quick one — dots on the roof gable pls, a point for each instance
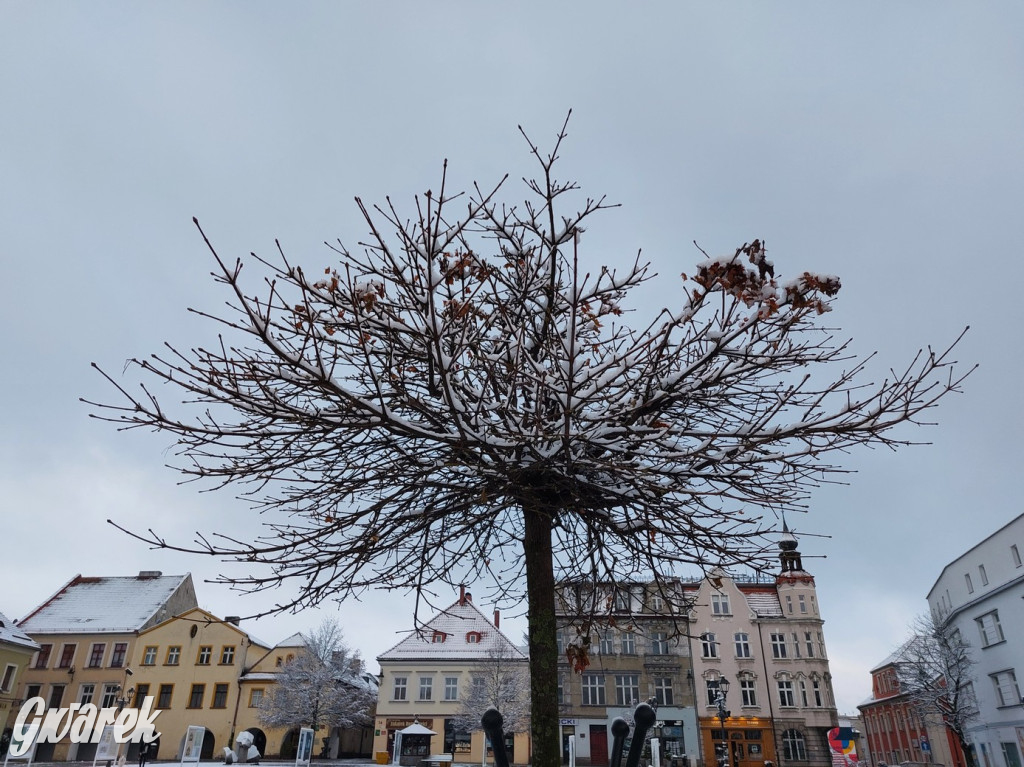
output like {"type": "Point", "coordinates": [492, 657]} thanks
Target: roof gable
{"type": "Point", "coordinates": [13, 635]}
{"type": "Point", "coordinates": [460, 632]}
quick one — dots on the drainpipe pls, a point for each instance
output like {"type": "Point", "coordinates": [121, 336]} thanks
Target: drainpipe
{"type": "Point", "coordinates": [771, 707]}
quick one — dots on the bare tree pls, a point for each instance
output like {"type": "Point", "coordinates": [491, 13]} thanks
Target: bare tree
{"type": "Point", "coordinates": [935, 670]}
{"type": "Point", "coordinates": [502, 682]}
{"type": "Point", "coordinates": [459, 400]}
{"type": "Point", "coordinates": [321, 687]}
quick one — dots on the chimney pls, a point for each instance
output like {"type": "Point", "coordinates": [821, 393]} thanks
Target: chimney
{"type": "Point", "coordinates": [469, 597]}
{"type": "Point", "coordinates": [234, 620]}
{"type": "Point", "coordinates": [497, 618]}
{"type": "Point", "coordinates": [462, 594]}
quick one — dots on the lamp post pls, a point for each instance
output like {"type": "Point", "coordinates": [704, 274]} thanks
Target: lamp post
{"type": "Point", "coordinates": [723, 690]}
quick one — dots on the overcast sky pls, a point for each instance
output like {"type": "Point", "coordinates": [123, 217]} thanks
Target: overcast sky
{"type": "Point", "coordinates": [878, 141]}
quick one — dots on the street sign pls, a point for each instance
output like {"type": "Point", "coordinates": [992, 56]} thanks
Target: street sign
{"type": "Point", "coordinates": [925, 745]}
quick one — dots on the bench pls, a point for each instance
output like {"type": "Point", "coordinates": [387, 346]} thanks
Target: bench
{"type": "Point", "coordinates": [437, 759]}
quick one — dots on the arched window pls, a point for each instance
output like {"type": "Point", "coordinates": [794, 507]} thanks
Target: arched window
{"type": "Point", "coordinates": [793, 746]}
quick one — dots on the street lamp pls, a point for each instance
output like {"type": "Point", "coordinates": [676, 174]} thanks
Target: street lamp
{"type": "Point", "coordinates": [723, 690]}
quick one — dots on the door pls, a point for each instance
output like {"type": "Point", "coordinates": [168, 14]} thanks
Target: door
{"type": "Point", "coordinates": [598, 745]}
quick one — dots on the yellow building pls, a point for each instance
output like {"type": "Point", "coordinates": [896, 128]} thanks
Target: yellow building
{"type": "Point", "coordinates": [426, 677]}
{"type": "Point", "coordinates": [257, 685]}
{"type": "Point", "coordinates": [16, 650]}
{"type": "Point", "coordinates": [191, 665]}
{"type": "Point", "coordinates": [86, 633]}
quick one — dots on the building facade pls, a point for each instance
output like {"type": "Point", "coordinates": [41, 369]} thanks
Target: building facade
{"type": "Point", "coordinates": [674, 643]}
{"type": "Point", "coordinates": [979, 595]}
{"type": "Point", "coordinates": [16, 651]}
{"type": "Point", "coordinates": [191, 664]}
{"type": "Point", "coordinates": [427, 677]}
{"type": "Point", "coordinates": [766, 638]}
{"type": "Point", "coordinates": [87, 634]}
{"type": "Point", "coordinates": [619, 646]}
{"type": "Point", "coordinates": [893, 729]}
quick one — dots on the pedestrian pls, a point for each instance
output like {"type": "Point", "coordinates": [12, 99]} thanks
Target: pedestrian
{"type": "Point", "coordinates": [143, 754]}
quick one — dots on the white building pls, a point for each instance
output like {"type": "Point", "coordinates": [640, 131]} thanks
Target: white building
{"type": "Point", "coordinates": [980, 594]}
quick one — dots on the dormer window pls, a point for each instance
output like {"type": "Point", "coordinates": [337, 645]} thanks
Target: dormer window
{"type": "Point", "coordinates": [474, 637]}
{"type": "Point", "coordinates": [439, 636]}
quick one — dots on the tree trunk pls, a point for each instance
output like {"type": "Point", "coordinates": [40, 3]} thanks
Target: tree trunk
{"type": "Point", "coordinates": [540, 600]}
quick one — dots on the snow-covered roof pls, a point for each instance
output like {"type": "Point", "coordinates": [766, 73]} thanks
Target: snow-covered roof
{"type": "Point", "coordinates": [763, 603]}
{"type": "Point", "coordinates": [460, 632]}
{"type": "Point", "coordinates": [295, 640]}
{"type": "Point", "coordinates": [896, 655]}
{"type": "Point", "coordinates": [108, 604]}
{"type": "Point", "coordinates": [11, 634]}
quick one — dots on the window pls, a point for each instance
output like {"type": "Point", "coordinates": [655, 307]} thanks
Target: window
{"type": "Point", "coordinates": [426, 688]}
{"type": "Point", "coordinates": [794, 748]}
{"type": "Point", "coordinates": [593, 690]}
{"type": "Point", "coordinates": [220, 696]}
{"type": "Point", "coordinates": [659, 643]}
{"type": "Point", "coordinates": [195, 698]}
{"type": "Point", "coordinates": [663, 691]}
{"type": "Point", "coordinates": [85, 693]}
{"type": "Point", "coordinates": [809, 643]}
{"type": "Point", "coordinates": [8, 679]}
{"type": "Point", "coordinates": [451, 688]}
{"type": "Point", "coordinates": [438, 637]}
{"type": "Point", "coordinates": [628, 643]}
{"type": "Point", "coordinates": [205, 653]}
{"type": "Point", "coordinates": [786, 693]}
{"type": "Point", "coordinates": [778, 645]}
{"type": "Point", "coordinates": [720, 604]}
{"type": "Point", "coordinates": [560, 641]}
{"type": "Point", "coordinates": [149, 656]}
{"type": "Point", "coordinates": [173, 655]}
{"type": "Point", "coordinates": [622, 601]}
{"type": "Point", "coordinates": [67, 654]}
{"type": "Point", "coordinates": [117, 656]}
{"type": "Point", "coordinates": [789, 604]}
{"type": "Point", "coordinates": [1015, 553]}
{"type": "Point", "coordinates": [748, 697]}
{"type": "Point", "coordinates": [227, 655]}
{"type": "Point", "coordinates": [821, 645]}
{"type": "Point", "coordinates": [796, 645]}
{"type": "Point", "coordinates": [255, 697]}
{"type": "Point", "coordinates": [1006, 688]}
{"type": "Point", "coordinates": [56, 695]}
{"type": "Point", "coordinates": [708, 646]}
{"type": "Point", "coordinates": [110, 692]}
{"type": "Point", "coordinates": [803, 693]}
{"type": "Point", "coordinates": [96, 655]}
{"type": "Point", "coordinates": [970, 583]}
{"type": "Point", "coordinates": [560, 693]}
{"type": "Point", "coordinates": [803, 603]}
{"type": "Point", "coordinates": [742, 640]}
{"type": "Point", "coordinates": [141, 693]}
{"type": "Point", "coordinates": [816, 690]}
{"type": "Point", "coordinates": [606, 646]}
{"type": "Point", "coordinates": [991, 631]}
{"type": "Point", "coordinates": [32, 691]}
{"type": "Point", "coordinates": [400, 692]}
{"type": "Point", "coordinates": [43, 658]}
{"type": "Point", "coordinates": [983, 575]}
{"type": "Point", "coordinates": [657, 603]}
{"type": "Point", "coordinates": [627, 689]}
{"type": "Point", "coordinates": [473, 637]}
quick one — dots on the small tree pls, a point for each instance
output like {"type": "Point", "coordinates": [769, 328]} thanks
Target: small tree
{"type": "Point", "coordinates": [935, 670]}
{"type": "Point", "coordinates": [460, 400]}
{"type": "Point", "coordinates": [321, 687]}
{"type": "Point", "coordinates": [501, 682]}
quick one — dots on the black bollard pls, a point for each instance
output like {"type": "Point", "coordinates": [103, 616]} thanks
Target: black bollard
{"type": "Point", "coordinates": [644, 718]}
{"type": "Point", "coordinates": [619, 732]}
{"type": "Point", "coordinates": [492, 722]}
